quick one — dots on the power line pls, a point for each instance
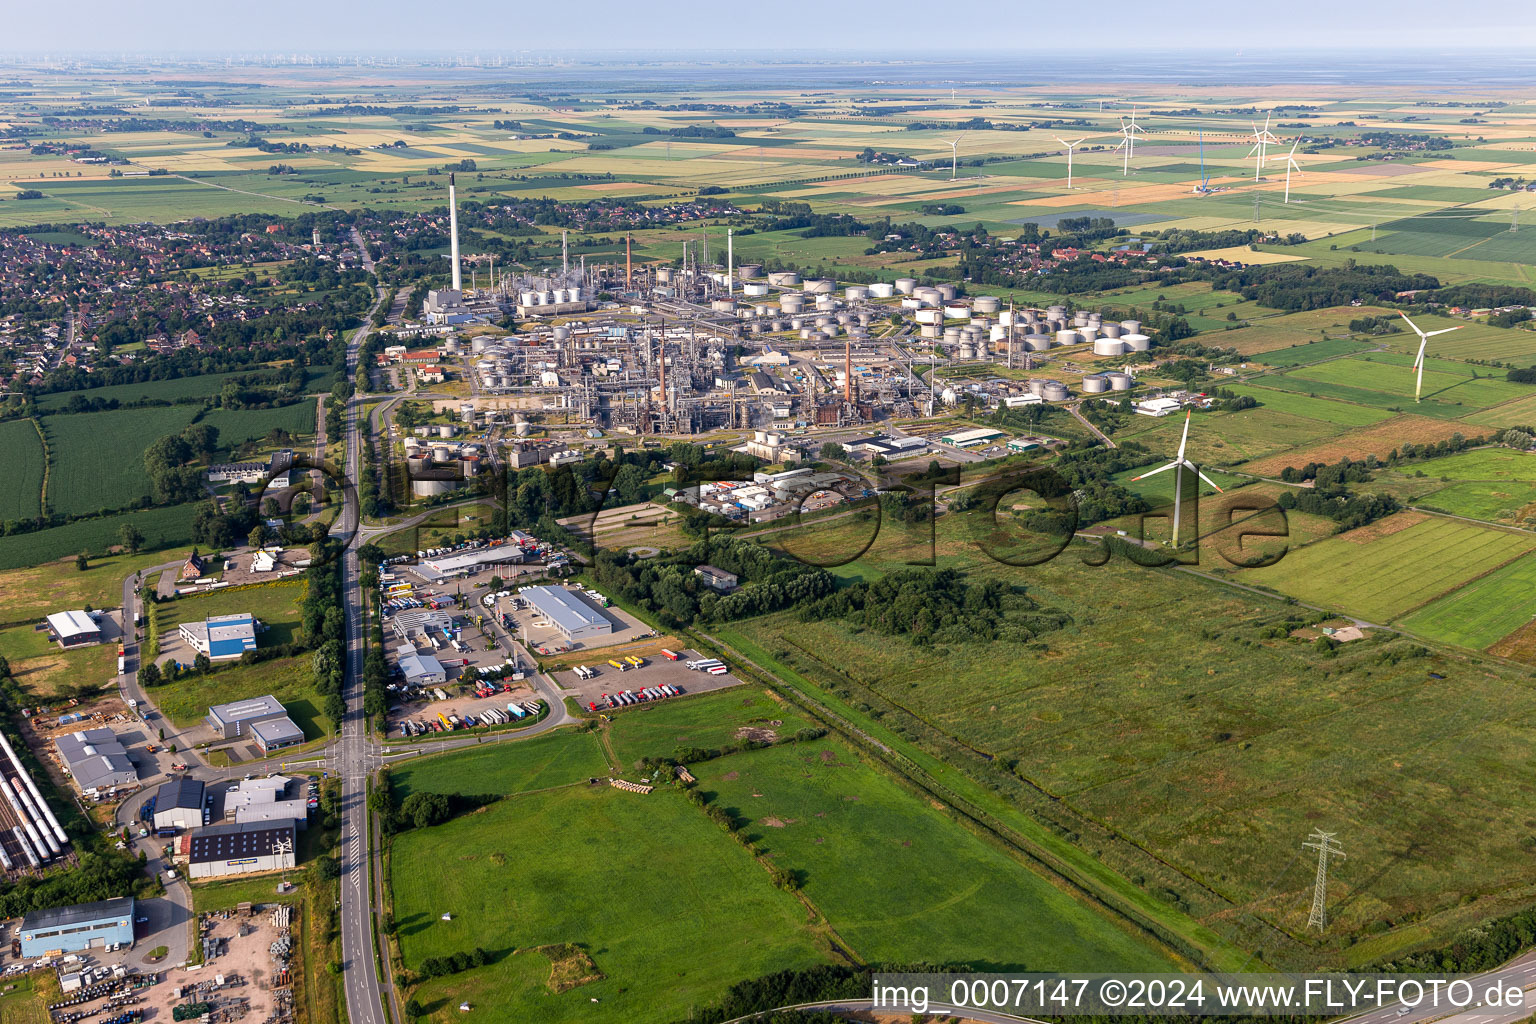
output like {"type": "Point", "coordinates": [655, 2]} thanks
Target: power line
{"type": "Point", "coordinates": [1325, 845]}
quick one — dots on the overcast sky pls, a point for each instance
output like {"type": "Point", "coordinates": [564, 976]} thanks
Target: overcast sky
{"type": "Point", "coordinates": [1063, 28]}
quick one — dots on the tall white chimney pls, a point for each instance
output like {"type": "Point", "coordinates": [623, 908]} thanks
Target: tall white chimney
{"type": "Point", "coordinates": [453, 233]}
{"type": "Point", "coordinates": [730, 269]}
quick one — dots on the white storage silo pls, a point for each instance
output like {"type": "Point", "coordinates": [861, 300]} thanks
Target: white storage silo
{"type": "Point", "coordinates": [1067, 338]}
{"type": "Point", "coordinates": [1093, 384]}
{"type": "Point", "coordinates": [906, 285]}
{"type": "Point", "coordinates": [1136, 342]}
{"type": "Point", "coordinates": [1108, 347]}
{"type": "Point", "coordinates": [882, 289]}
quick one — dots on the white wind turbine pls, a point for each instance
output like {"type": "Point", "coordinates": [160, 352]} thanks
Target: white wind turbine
{"type": "Point", "coordinates": [1418, 360]}
{"type": "Point", "coordinates": [1178, 465]}
{"type": "Point", "coordinates": [1070, 146]}
{"type": "Point", "coordinates": [954, 158]}
{"type": "Point", "coordinates": [1291, 165]}
{"type": "Point", "coordinates": [1132, 129]}
{"type": "Point", "coordinates": [1125, 144]}
{"type": "Point", "coordinates": [1262, 137]}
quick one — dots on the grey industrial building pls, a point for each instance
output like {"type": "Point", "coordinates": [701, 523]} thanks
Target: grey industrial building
{"type": "Point", "coordinates": [276, 733]}
{"type": "Point", "coordinates": [239, 849]}
{"type": "Point", "coordinates": [267, 800]}
{"type": "Point", "coordinates": [570, 613]}
{"type": "Point", "coordinates": [236, 719]}
{"type": "Point", "coordinates": [422, 669]}
{"type": "Point", "coordinates": [82, 926]}
{"type": "Point", "coordinates": [96, 760]}
{"type": "Point", "coordinates": [179, 803]}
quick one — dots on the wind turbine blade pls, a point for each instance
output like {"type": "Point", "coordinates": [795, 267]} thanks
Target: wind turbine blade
{"type": "Point", "coordinates": [1418, 360]}
{"type": "Point", "coordinates": [1411, 323]}
{"type": "Point", "coordinates": [1154, 472]}
{"type": "Point", "coordinates": [1185, 439]}
{"type": "Point", "coordinates": [1208, 480]}
{"type": "Point", "coordinates": [1447, 330]}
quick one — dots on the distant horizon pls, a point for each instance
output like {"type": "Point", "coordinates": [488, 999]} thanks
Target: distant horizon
{"type": "Point", "coordinates": [1032, 32]}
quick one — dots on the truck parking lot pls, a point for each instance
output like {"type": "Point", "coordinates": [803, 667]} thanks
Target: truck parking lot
{"type": "Point", "coordinates": [657, 671]}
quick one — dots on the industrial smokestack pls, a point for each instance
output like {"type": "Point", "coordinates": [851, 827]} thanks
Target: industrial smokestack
{"type": "Point", "coordinates": [629, 266]}
{"type": "Point", "coordinates": [661, 367]}
{"type": "Point", "coordinates": [848, 370]}
{"type": "Point", "coordinates": [453, 234]}
{"type": "Point", "coordinates": [730, 266]}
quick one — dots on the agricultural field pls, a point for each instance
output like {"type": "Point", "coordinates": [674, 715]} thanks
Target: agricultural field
{"type": "Point", "coordinates": [167, 526]}
{"type": "Point", "coordinates": [170, 390]}
{"type": "Point", "coordinates": [1341, 414]}
{"type": "Point", "coordinates": [1484, 611]}
{"type": "Point", "coordinates": [21, 466]}
{"type": "Point", "coordinates": [1378, 439]}
{"type": "Point", "coordinates": [1387, 380]}
{"type": "Point", "coordinates": [237, 426]}
{"type": "Point", "coordinates": [1313, 352]}
{"type": "Point", "coordinates": [98, 457]}
{"type": "Point", "coordinates": [1383, 571]}
{"type": "Point", "coordinates": [824, 813]}
{"type": "Point", "coordinates": [572, 850]}
{"type": "Point", "coordinates": [1227, 438]}
{"type": "Point", "coordinates": [1149, 728]}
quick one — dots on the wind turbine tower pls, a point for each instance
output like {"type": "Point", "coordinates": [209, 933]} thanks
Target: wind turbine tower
{"type": "Point", "coordinates": [1418, 360]}
{"type": "Point", "coordinates": [1070, 146]}
{"type": "Point", "coordinates": [1179, 465]}
{"type": "Point", "coordinates": [1291, 165]}
{"type": "Point", "coordinates": [1262, 137]}
{"type": "Point", "coordinates": [954, 159]}
{"type": "Point", "coordinates": [1326, 846]}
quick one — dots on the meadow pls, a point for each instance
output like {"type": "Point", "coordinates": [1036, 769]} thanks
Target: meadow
{"type": "Point", "coordinates": [237, 426]}
{"type": "Point", "coordinates": [275, 605]}
{"type": "Point", "coordinates": [1484, 611]}
{"type": "Point", "coordinates": [1147, 737]}
{"type": "Point", "coordinates": [566, 866]}
{"type": "Point", "coordinates": [539, 762]}
{"type": "Point", "coordinates": [1227, 438]}
{"type": "Point", "coordinates": [708, 721]}
{"type": "Point", "coordinates": [168, 526]}
{"type": "Point", "coordinates": [1342, 414]}
{"type": "Point", "coordinates": [291, 680]}
{"type": "Point", "coordinates": [21, 466]}
{"type": "Point", "coordinates": [1383, 571]}
{"type": "Point", "coordinates": [170, 390]}
{"type": "Point", "coordinates": [1449, 388]}
{"type": "Point", "coordinates": [819, 810]}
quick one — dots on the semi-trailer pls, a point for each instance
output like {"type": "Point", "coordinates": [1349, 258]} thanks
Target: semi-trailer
{"type": "Point", "coordinates": [670, 655]}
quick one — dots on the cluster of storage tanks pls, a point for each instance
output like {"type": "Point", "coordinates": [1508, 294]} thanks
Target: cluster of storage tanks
{"type": "Point", "coordinates": [430, 456]}
{"type": "Point", "coordinates": [1114, 380]}
{"type": "Point", "coordinates": [550, 296]}
{"type": "Point", "coordinates": [37, 837]}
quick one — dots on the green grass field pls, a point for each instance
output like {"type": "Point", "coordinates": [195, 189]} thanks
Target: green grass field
{"type": "Point", "coordinates": [709, 721]}
{"type": "Point", "coordinates": [275, 605]}
{"type": "Point", "coordinates": [899, 880]}
{"type": "Point", "coordinates": [239, 425]}
{"type": "Point", "coordinates": [167, 527]}
{"type": "Point", "coordinates": [1484, 611]}
{"type": "Point", "coordinates": [1390, 375]}
{"type": "Point", "coordinates": [1228, 438]}
{"type": "Point", "coordinates": [291, 680]}
{"type": "Point", "coordinates": [1313, 352]}
{"type": "Point", "coordinates": [155, 390]}
{"type": "Point", "coordinates": [1483, 464]}
{"type": "Point", "coordinates": [671, 909]}
{"type": "Point", "coordinates": [21, 466]}
{"type": "Point", "coordinates": [1492, 501]}
{"type": "Point", "coordinates": [99, 456]}
{"type": "Point", "coordinates": [1391, 573]}
{"type": "Point", "coordinates": [1342, 414]}
{"type": "Point", "coordinates": [539, 762]}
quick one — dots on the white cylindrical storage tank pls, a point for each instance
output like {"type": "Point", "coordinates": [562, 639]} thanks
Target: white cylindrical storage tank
{"type": "Point", "coordinates": [1108, 347]}
{"type": "Point", "coordinates": [1120, 381]}
{"type": "Point", "coordinates": [826, 302]}
{"type": "Point", "coordinates": [527, 299]}
{"type": "Point", "coordinates": [791, 303]}
{"type": "Point", "coordinates": [821, 286]}
{"type": "Point", "coordinates": [948, 291]}
{"type": "Point", "coordinates": [865, 319]}
{"type": "Point", "coordinates": [663, 275]}
{"type": "Point", "coordinates": [1056, 312]}
{"type": "Point", "coordinates": [445, 430]}
{"type": "Point", "coordinates": [1055, 391]}
{"type": "Point", "coordinates": [987, 303]}
{"type": "Point", "coordinates": [1088, 333]}
{"type": "Point", "coordinates": [997, 333]}
{"type": "Point", "coordinates": [1110, 330]}
{"type": "Point", "coordinates": [561, 333]}
{"type": "Point", "coordinates": [845, 318]}
{"type": "Point", "coordinates": [796, 322]}
{"type": "Point", "coordinates": [1136, 342]}
{"type": "Point", "coordinates": [431, 488]}
{"type": "Point", "coordinates": [783, 278]}
{"type": "Point", "coordinates": [749, 271]}
{"type": "Point", "coordinates": [929, 316]}
{"type": "Point", "coordinates": [856, 293]}
{"type": "Point", "coordinates": [723, 305]}
{"type": "Point", "coordinates": [905, 285]}
{"type": "Point", "coordinates": [929, 332]}
{"type": "Point", "coordinates": [882, 289]}
{"type": "Point", "coordinates": [911, 302]}
{"type": "Point", "coordinates": [1130, 326]}
{"type": "Point", "coordinates": [952, 335]}
{"type": "Point", "coordinates": [441, 453]}
{"type": "Point", "coordinates": [1080, 318]}
{"type": "Point", "coordinates": [1036, 387]}
{"type": "Point", "coordinates": [754, 289]}
{"type": "Point", "coordinates": [1067, 337]}
{"type": "Point", "coordinates": [957, 311]}
{"type": "Point", "coordinates": [1037, 342]}
{"type": "Point", "coordinates": [1093, 384]}
{"type": "Point", "coordinates": [1006, 318]}
{"type": "Point", "coordinates": [830, 330]}
{"type": "Point", "coordinates": [932, 296]}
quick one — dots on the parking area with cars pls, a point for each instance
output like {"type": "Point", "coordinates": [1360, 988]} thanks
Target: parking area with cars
{"type": "Point", "coordinates": [601, 678]}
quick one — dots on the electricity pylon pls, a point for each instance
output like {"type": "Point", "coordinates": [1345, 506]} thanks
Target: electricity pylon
{"type": "Point", "coordinates": [1324, 844]}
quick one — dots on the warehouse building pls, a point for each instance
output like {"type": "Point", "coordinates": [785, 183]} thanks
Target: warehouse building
{"type": "Point", "coordinates": [971, 438]}
{"type": "Point", "coordinates": [179, 804]}
{"type": "Point", "coordinates": [276, 733]}
{"type": "Point", "coordinates": [568, 611]}
{"type": "Point", "coordinates": [267, 800]}
{"type": "Point", "coordinates": [716, 578]}
{"type": "Point", "coordinates": [74, 629]}
{"type": "Point", "coordinates": [239, 849]}
{"type": "Point", "coordinates": [101, 925]}
{"type": "Point", "coordinates": [235, 719]}
{"type": "Point", "coordinates": [221, 637]}
{"type": "Point", "coordinates": [96, 760]}
{"type": "Point", "coordinates": [422, 670]}
{"type": "Point", "coordinates": [416, 622]}
{"type": "Point", "coordinates": [472, 561]}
